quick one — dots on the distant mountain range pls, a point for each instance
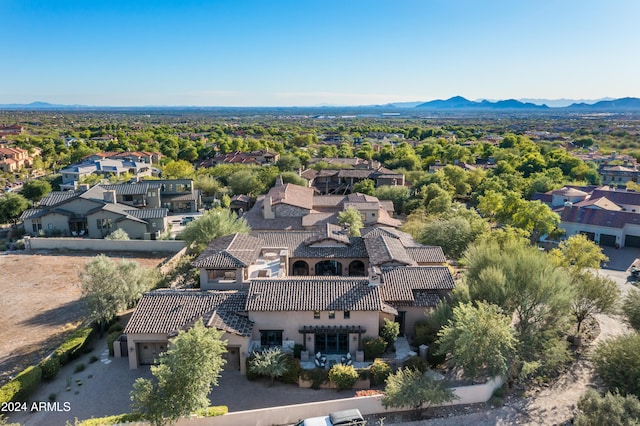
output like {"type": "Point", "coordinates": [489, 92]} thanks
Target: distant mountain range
{"type": "Point", "coordinates": [456, 103]}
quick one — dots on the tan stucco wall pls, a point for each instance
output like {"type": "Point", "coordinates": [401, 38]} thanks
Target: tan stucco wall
{"type": "Point", "coordinates": [232, 340]}
{"type": "Point", "coordinates": [54, 221]}
{"type": "Point", "coordinates": [291, 322]}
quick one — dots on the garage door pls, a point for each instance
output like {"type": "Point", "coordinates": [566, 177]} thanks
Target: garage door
{"type": "Point", "coordinates": [632, 241]}
{"type": "Point", "coordinates": [591, 236]}
{"type": "Point", "coordinates": [148, 352]}
{"type": "Point", "coordinates": [607, 240]}
{"type": "Point", "coordinates": [233, 358]}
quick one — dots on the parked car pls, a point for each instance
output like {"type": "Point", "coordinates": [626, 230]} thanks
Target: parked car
{"type": "Point", "coordinates": [186, 220]}
{"type": "Point", "coordinates": [351, 417]}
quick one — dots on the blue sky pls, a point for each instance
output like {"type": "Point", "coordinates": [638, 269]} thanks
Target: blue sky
{"type": "Point", "coordinates": [311, 52]}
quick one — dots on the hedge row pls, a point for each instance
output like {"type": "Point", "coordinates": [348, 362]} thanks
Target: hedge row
{"type": "Point", "coordinates": [111, 420]}
{"type": "Point", "coordinates": [71, 348]}
{"type": "Point", "coordinates": [19, 388]}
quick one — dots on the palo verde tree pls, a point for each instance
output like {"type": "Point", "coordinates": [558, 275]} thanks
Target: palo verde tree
{"type": "Point", "coordinates": [593, 294]}
{"type": "Point", "coordinates": [183, 377]}
{"type": "Point", "coordinates": [578, 252]}
{"type": "Point", "coordinates": [271, 363]}
{"type": "Point", "coordinates": [109, 287]}
{"type": "Point", "coordinates": [415, 389]}
{"type": "Point", "coordinates": [351, 217]}
{"type": "Point", "coordinates": [479, 339]}
{"type": "Point", "coordinates": [213, 224]}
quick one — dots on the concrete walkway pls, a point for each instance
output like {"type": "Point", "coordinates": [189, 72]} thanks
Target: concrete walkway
{"type": "Point", "coordinates": [103, 387]}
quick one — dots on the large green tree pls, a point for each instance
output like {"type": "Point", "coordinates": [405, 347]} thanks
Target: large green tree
{"type": "Point", "coordinates": [479, 339]}
{"type": "Point", "coordinates": [183, 377]}
{"type": "Point", "coordinates": [109, 287]}
{"type": "Point", "coordinates": [415, 389]}
{"type": "Point", "coordinates": [213, 224]}
{"type": "Point", "coordinates": [179, 169]}
{"type": "Point", "coordinates": [35, 189]}
{"type": "Point", "coordinates": [579, 252]}
{"type": "Point", "coordinates": [353, 219]}
{"type": "Point", "coordinates": [11, 207]}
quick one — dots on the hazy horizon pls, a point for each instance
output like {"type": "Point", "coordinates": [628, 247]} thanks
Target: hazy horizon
{"type": "Point", "coordinates": [309, 54]}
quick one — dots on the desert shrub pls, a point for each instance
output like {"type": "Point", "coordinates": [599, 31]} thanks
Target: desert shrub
{"type": "Point", "coordinates": [50, 368]}
{"type": "Point", "coordinates": [213, 411]}
{"type": "Point", "coordinates": [417, 363]}
{"type": "Point", "coordinates": [112, 337]}
{"type": "Point", "coordinates": [111, 420]}
{"type": "Point", "coordinates": [293, 371]}
{"type": "Point", "coordinates": [631, 308]}
{"type": "Point", "coordinates": [118, 234]}
{"type": "Point", "coordinates": [297, 349]}
{"type": "Point", "coordinates": [71, 348]}
{"type": "Point", "coordinates": [316, 376]}
{"type": "Point", "coordinates": [617, 362]}
{"type": "Point", "coordinates": [373, 347]}
{"type": "Point", "coordinates": [379, 371]}
{"type": "Point", "coordinates": [611, 409]}
{"type": "Point", "coordinates": [19, 388]}
{"type": "Point", "coordinates": [251, 374]}
{"type": "Point", "coordinates": [390, 331]}
{"type": "Point", "coordinates": [93, 359]}
{"type": "Point", "coordinates": [52, 397]}
{"type": "Point", "coordinates": [343, 376]}
{"type": "Point", "coordinates": [114, 327]}
{"type": "Point", "coordinates": [79, 367]}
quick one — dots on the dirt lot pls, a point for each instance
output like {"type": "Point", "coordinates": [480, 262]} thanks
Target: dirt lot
{"type": "Point", "coordinates": [40, 302]}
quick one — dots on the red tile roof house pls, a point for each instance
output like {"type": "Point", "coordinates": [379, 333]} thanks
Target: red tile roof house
{"type": "Point", "coordinates": [329, 309]}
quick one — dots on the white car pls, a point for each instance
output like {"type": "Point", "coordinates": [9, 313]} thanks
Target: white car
{"type": "Point", "coordinates": [351, 417]}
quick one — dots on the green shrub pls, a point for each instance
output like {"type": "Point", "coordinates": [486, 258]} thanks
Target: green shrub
{"type": "Point", "coordinates": [71, 348]}
{"type": "Point", "coordinates": [297, 349]}
{"type": "Point", "coordinates": [112, 337]}
{"type": "Point", "coordinates": [293, 371]}
{"type": "Point", "coordinates": [611, 409]}
{"type": "Point", "coordinates": [379, 370]}
{"type": "Point", "coordinates": [317, 377]}
{"type": "Point", "coordinates": [251, 374]}
{"type": "Point", "coordinates": [213, 411]}
{"type": "Point", "coordinates": [417, 363]}
{"type": "Point", "coordinates": [19, 388]}
{"type": "Point", "coordinates": [114, 327]}
{"type": "Point", "coordinates": [52, 397]}
{"type": "Point", "coordinates": [343, 376]}
{"type": "Point", "coordinates": [111, 420]}
{"type": "Point", "coordinates": [373, 347]}
{"type": "Point", "coordinates": [390, 331]}
{"type": "Point", "coordinates": [50, 368]}
{"type": "Point", "coordinates": [617, 362]}
{"type": "Point", "coordinates": [93, 359]}
{"type": "Point", "coordinates": [79, 367]}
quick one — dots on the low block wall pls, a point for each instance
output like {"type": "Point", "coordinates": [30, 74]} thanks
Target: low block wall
{"type": "Point", "coordinates": [290, 414]}
{"type": "Point", "coordinates": [169, 246]}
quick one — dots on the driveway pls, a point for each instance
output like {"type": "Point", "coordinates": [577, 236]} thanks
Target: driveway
{"type": "Point", "coordinates": [102, 389]}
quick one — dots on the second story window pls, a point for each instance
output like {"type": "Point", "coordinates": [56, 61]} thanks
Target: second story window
{"type": "Point", "coordinates": [332, 314]}
{"type": "Point", "coordinates": [316, 314]}
{"type": "Point", "coordinates": [347, 314]}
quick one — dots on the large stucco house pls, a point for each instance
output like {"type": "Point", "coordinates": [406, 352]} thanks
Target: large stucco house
{"type": "Point", "coordinates": [323, 290]}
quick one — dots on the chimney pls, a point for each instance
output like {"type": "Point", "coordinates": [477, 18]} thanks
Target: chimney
{"type": "Point", "coordinates": [109, 196]}
{"type": "Point", "coordinates": [279, 181]}
{"type": "Point", "coordinates": [374, 276]}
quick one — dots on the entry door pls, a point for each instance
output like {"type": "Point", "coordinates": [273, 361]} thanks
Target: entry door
{"type": "Point", "coordinates": [233, 358]}
{"type": "Point", "coordinates": [400, 320]}
{"type": "Point", "coordinates": [149, 352]}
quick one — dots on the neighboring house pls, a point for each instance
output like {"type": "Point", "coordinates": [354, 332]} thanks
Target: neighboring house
{"type": "Point", "coordinates": [11, 130]}
{"type": "Point", "coordinates": [96, 212]}
{"type": "Point", "coordinates": [134, 156]}
{"type": "Point", "coordinates": [179, 195]}
{"type": "Point", "coordinates": [72, 175]}
{"type": "Point", "coordinates": [619, 175]}
{"type": "Point", "coordinates": [293, 207]}
{"type": "Point", "coordinates": [263, 157]}
{"type": "Point", "coordinates": [13, 159]}
{"type": "Point", "coordinates": [610, 217]}
{"type": "Point", "coordinates": [341, 181]}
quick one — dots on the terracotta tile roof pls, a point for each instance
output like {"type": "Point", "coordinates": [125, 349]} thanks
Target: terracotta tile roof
{"type": "Point", "coordinates": [398, 284]}
{"type": "Point", "coordinates": [427, 254]}
{"type": "Point", "coordinates": [385, 250]}
{"type": "Point", "coordinates": [601, 202]}
{"type": "Point", "coordinates": [231, 251]}
{"type": "Point", "coordinates": [256, 220]}
{"type": "Point", "coordinates": [330, 232]}
{"type": "Point", "coordinates": [294, 195]}
{"type": "Point", "coordinates": [617, 196]}
{"type": "Point", "coordinates": [313, 293]}
{"type": "Point", "coordinates": [167, 311]}
{"type": "Point", "coordinates": [405, 238]}
{"type": "Point", "coordinates": [294, 241]}
{"type": "Point", "coordinates": [148, 213]}
{"type": "Point", "coordinates": [57, 197]}
{"type": "Point", "coordinates": [425, 298]}
{"type": "Point", "coordinates": [599, 217]}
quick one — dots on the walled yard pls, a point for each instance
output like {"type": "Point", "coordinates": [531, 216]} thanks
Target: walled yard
{"type": "Point", "coordinates": [41, 301]}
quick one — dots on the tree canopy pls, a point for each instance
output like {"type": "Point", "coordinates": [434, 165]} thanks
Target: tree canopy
{"type": "Point", "coordinates": [213, 224]}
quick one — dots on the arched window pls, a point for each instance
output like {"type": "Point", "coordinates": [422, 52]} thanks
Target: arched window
{"type": "Point", "coordinates": [356, 269]}
{"type": "Point", "coordinates": [300, 267]}
{"type": "Point", "coordinates": [329, 267]}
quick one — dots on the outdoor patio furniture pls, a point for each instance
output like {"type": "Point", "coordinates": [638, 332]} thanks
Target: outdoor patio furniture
{"type": "Point", "coordinates": [320, 360]}
{"type": "Point", "coordinates": [346, 360]}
